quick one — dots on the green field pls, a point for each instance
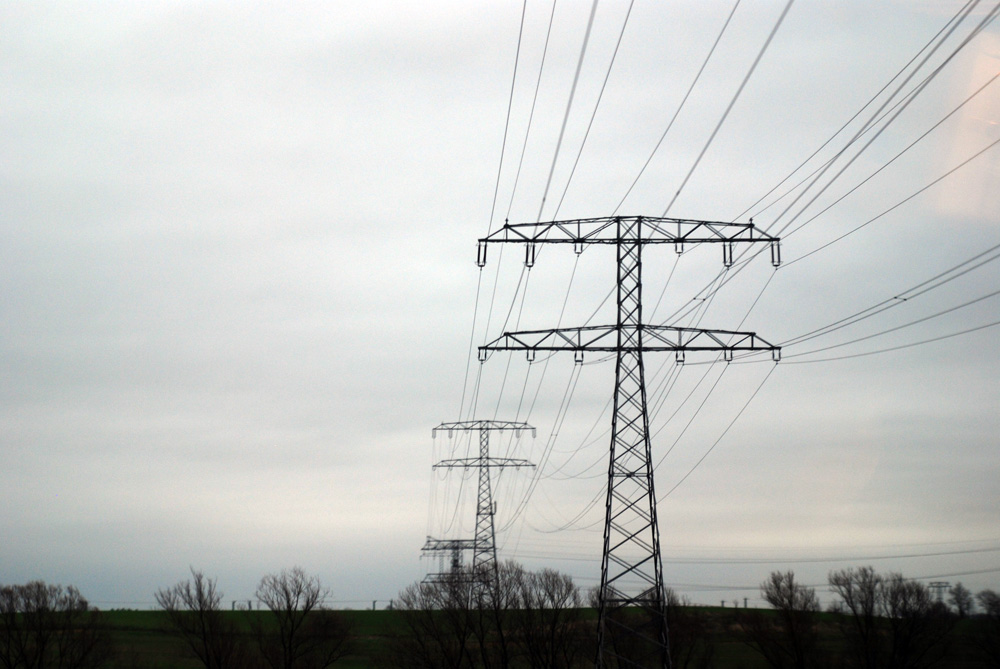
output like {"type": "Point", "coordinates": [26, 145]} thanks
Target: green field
{"type": "Point", "coordinates": [142, 639]}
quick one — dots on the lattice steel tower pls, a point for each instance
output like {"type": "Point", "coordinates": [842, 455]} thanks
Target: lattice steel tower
{"type": "Point", "coordinates": [632, 630]}
{"type": "Point", "coordinates": [483, 546]}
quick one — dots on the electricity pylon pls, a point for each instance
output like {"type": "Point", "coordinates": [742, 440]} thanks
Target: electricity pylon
{"type": "Point", "coordinates": [484, 545]}
{"type": "Point", "coordinates": [632, 629]}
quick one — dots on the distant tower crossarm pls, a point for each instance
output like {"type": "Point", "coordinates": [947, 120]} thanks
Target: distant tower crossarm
{"type": "Point", "coordinates": [483, 546]}
{"type": "Point", "coordinates": [631, 566]}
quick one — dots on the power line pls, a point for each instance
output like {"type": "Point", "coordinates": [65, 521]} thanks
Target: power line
{"type": "Point", "coordinates": [531, 113]}
{"type": "Point", "coordinates": [954, 22]}
{"type": "Point", "coordinates": [732, 102]}
{"type": "Point", "coordinates": [496, 191]}
{"type": "Point", "coordinates": [907, 295]}
{"type": "Point", "coordinates": [898, 348]}
{"type": "Point", "coordinates": [843, 127]}
{"type": "Point", "coordinates": [813, 560]}
{"type": "Point", "coordinates": [679, 107]}
{"type": "Point", "coordinates": [600, 95]}
{"type": "Point", "coordinates": [899, 327]}
{"type": "Point", "coordinates": [724, 432]}
{"type": "Point", "coordinates": [506, 124]}
{"type": "Point", "coordinates": [738, 266]}
{"type": "Point", "coordinates": [894, 158]}
{"type": "Point", "coordinates": [906, 103]}
{"type": "Point", "coordinates": [898, 204]}
{"type": "Point", "coordinates": [569, 106]}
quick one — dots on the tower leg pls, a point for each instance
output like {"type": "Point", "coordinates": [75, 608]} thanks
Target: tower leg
{"type": "Point", "coordinates": [632, 629]}
{"type": "Point", "coordinates": [484, 555]}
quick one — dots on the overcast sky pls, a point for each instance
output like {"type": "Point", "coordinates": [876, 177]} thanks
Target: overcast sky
{"type": "Point", "coordinates": [239, 288]}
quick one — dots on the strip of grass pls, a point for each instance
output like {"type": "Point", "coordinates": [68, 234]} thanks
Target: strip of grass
{"type": "Point", "coordinates": [143, 638]}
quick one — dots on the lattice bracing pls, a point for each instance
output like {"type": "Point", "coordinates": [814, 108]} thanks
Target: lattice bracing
{"type": "Point", "coordinates": [483, 546]}
{"type": "Point", "coordinates": [632, 629]}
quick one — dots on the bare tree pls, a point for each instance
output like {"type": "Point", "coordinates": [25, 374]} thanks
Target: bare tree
{"type": "Point", "coordinates": [438, 629]}
{"type": "Point", "coordinates": [961, 598]}
{"type": "Point", "coordinates": [304, 634]}
{"type": "Point", "coordinates": [50, 626]}
{"type": "Point", "coordinates": [495, 597]}
{"type": "Point", "coordinates": [986, 630]}
{"type": "Point", "coordinates": [193, 610]}
{"type": "Point", "coordinates": [919, 625]}
{"type": "Point", "coordinates": [502, 618]}
{"type": "Point", "coordinates": [549, 625]}
{"type": "Point", "coordinates": [787, 638]}
{"type": "Point", "coordinates": [860, 592]}
{"type": "Point", "coordinates": [989, 602]}
{"type": "Point", "coordinates": [692, 643]}
{"type": "Point", "coordinates": [891, 622]}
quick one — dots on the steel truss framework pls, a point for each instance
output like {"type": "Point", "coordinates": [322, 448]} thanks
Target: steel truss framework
{"type": "Point", "coordinates": [483, 546]}
{"type": "Point", "coordinates": [632, 629]}
{"type": "Point", "coordinates": [451, 549]}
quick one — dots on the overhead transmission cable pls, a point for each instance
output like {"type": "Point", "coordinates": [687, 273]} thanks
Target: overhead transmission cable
{"type": "Point", "coordinates": [742, 263]}
{"type": "Point", "coordinates": [951, 26]}
{"type": "Point", "coordinates": [539, 469]}
{"type": "Point", "coordinates": [705, 303]}
{"type": "Point", "coordinates": [597, 105]}
{"type": "Point", "coordinates": [496, 191]}
{"type": "Point", "coordinates": [576, 162]}
{"type": "Point", "coordinates": [893, 159]}
{"type": "Point", "coordinates": [907, 295]}
{"type": "Point", "coordinates": [875, 118]}
{"type": "Point", "coordinates": [531, 113]}
{"type": "Point", "coordinates": [899, 110]}
{"type": "Point", "coordinates": [841, 129]}
{"type": "Point", "coordinates": [712, 292]}
{"type": "Point", "coordinates": [679, 108]}
{"type": "Point", "coordinates": [924, 319]}
{"type": "Point", "coordinates": [732, 102]}
{"type": "Point", "coordinates": [724, 432]}
{"type": "Point", "coordinates": [475, 313]}
{"type": "Point", "coordinates": [560, 417]}
{"type": "Point", "coordinates": [900, 347]}
{"type": "Point", "coordinates": [506, 125]}
{"type": "Point", "coordinates": [569, 107]}
{"type": "Point", "coordinates": [898, 204]}
{"type": "Point", "coordinates": [701, 307]}
{"type": "Point", "coordinates": [517, 176]}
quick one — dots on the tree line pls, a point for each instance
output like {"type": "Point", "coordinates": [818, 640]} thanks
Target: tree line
{"type": "Point", "coordinates": [48, 626]}
{"type": "Point", "coordinates": [512, 617]}
{"type": "Point", "coordinates": [524, 619]}
{"type": "Point", "coordinates": [884, 621]}
{"type": "Point", "coordinates": [300, 634]}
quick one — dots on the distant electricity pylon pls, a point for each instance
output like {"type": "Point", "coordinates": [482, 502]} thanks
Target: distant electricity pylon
{"type": "Point", "coordinates": [632, 629]}
{"type": "Point", "coordinates": [484, 545]}
{"type": "Point", "coordinates": [939, 588]}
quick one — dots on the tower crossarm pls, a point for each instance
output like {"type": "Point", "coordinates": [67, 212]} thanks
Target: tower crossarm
{"type": "Point", "coordinates": [440, 545]}
{"type": "Point", "coordinates": [477, 425]}
{"type": "Point", "coordinates": [630, 230]}
{"type": "Point", "coordinates": [650, 230]}
{"type": "Point", "coordinates": [479, 462]}
{"type": "Point", "coordinates": [652, 338]}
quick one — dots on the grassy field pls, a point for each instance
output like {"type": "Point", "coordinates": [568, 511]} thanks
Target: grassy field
{"type": "Point", "coordinates": [143, 639]}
